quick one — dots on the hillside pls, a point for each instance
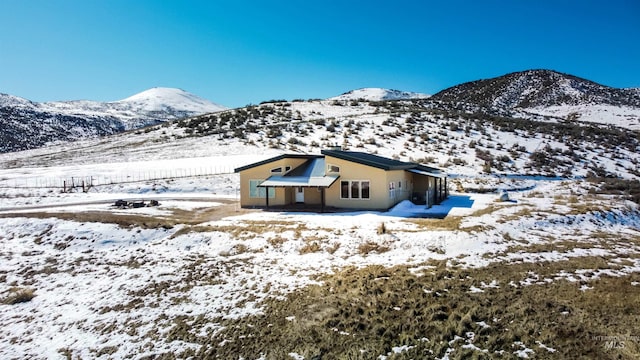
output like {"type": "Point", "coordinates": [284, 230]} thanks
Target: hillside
{"type": "Point", "coordinates": [549, 94]}
{"type": "Point", "coordinates": [463, 143]}
{"type": "Point", "coordinates": [26, 124]}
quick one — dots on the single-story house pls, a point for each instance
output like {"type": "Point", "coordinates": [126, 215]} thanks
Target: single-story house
{"type": "Point", "coordinates": [339, 179]}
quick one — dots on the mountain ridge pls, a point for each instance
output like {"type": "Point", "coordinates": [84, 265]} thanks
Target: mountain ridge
{"type": "Point", "coordinates": [27, 124]}
{"type": "Point", "coordinates": [536, 95]}
{"type": "Point", "coordinates": [534, 88]}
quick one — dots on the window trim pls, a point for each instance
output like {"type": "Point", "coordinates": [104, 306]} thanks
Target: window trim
{"type": "Point", "coordinates": [350, 188]}
{"type": "Point", "coordinates": [333, 168]}
{"type": "Point", "coordinates": [256, 192]}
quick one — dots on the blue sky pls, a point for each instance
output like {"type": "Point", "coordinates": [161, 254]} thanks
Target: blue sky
{"type": "Point", "coordinates": [240, 52]}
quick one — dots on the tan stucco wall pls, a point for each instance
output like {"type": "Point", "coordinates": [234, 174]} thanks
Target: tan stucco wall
{"type": "Point", "coordinates": [378, 181]}
{"type": "Point", "coordinates": [283, 196]}
{"type": "Point", "coordinates": [312, 196]}
{"type": "Point", "coordinates": [403, 182]}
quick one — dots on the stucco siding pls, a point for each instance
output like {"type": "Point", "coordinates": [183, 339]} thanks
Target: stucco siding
{"type": "Point", "coordinates": [262, 172]}
{"type": "Point", "coordinates": [350, 171]}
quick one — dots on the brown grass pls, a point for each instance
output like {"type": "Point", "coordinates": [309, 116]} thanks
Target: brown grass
{"type": "Point", "coordinates": [178, 216]}
{"type": "Point", "coordinates": [310, 247]}
{"type": "Point", "coordinates": [363, 313]}
{"type": "Point", "coordinates": [452, 223]}
{"type": "Point", "coordinates": [17, 295]}
{"type": "Point", "coordinates": [371, 246]}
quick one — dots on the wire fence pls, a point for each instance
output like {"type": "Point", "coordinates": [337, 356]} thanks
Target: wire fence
{"type": "Point", "coordinates": [84, 182]}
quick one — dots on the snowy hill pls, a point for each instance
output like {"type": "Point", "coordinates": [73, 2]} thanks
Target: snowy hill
{"type": "Point", "coordinates": [538, 88]}
{"type": "Point", "coordinates": [379, 94]}
{"type": "Point", "coordinates": [27, 124]}
{"type": "Point", "coordinates": [461, 142]}
{"type": "Point", "coordinates": [548, 94]}
{"type": "Point", "coordinates": [163, 99]}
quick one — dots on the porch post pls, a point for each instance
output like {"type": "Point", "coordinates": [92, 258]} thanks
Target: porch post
{"type": "Point", "coordinates": [321, 199]}
{"type": "Point", "coordinates": [267, 196]}
{"type": "Point", "coordinates": [446, 188]}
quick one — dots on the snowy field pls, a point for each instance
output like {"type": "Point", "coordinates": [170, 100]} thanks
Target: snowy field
{"type": "Point", "coordinates": [110, 283]}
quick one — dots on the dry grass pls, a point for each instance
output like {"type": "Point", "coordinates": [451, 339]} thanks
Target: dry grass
{"type": "Point", "coordinates": [178, 216]}
{"type": "Point", "coordinates": [363, 313]}
{"type": "Point", "coordinates": [310, 247]}
{"type": "Point", "coordinates": [371, 246]}
{"type": "Point", "coordinates": [17, 295]}
{"type": "Point", "coordinates": [452, 223]}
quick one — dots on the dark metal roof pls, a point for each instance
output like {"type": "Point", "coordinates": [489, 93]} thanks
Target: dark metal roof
{"type": "Point", "coordinates": [315, 164]}
{"type": "Point", "coordinates": [370, 160]}
{"type": "Point", "coordinates": [279, 157]}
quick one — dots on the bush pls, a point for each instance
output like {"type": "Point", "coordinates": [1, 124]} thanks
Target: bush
{"type": "Point", "coordinates": [18, 295]}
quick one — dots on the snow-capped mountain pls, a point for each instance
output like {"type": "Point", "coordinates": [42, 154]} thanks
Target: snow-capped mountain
{"type": "Point", "coordinates": [27, 124]}
{"type": "Point", "coordinates": [164, 99]}
{"type": "Point", "coordinates": [379, 94]}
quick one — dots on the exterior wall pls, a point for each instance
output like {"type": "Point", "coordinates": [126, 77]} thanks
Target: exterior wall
{"type": "Point", "coordinates": [312, 196]}
{"type": "Point", "coordinates": [405, 185]}
{"type": "Point", "coordinates": [402, 182]}
{"type": "Point", "coordinates": [283, 196]}
{"type": "Point", "coordinates": [378, 185]}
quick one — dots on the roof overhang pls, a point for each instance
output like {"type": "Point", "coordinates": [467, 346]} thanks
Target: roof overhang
{"type": "Point", "coordinates": [428, 173]}
{"type": "Point", "coordinates": [299, 181]}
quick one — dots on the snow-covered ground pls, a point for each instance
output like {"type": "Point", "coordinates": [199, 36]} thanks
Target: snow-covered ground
{"type": "Point", "coordinates": [112, 283]}
{"type": "Point", "coordinates": [623, 116]}
{"type": "Point", "coordinates": [104, 289]}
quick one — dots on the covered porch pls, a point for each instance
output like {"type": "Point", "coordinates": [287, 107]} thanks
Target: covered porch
{"type": "Point", "coordinates": [304, 187]}
{"type": "Point", "coordinates": [430, 186]}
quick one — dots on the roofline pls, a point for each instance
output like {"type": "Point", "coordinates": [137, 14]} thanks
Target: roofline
{"type": "Point", "coordinates": [346, 156]}
{"type": "Point", "coordinates": [279, 157]}
{"type": "Point", "coordinates": [430, 168]}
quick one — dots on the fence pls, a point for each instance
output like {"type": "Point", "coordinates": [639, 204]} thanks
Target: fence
{"type": "Point", "coordinates": [85, 182]}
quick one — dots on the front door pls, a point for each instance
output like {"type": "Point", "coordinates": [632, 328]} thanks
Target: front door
{"type": "Point", "coordinates": [299, 194]}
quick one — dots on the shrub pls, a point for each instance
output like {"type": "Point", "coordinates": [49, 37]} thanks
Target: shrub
{"type": "Point", "coordinates": [371, 246]}
{"type": "Point", "coordinates": [18, 295]}
{"type": "Point", "coordinates": [310, 247]}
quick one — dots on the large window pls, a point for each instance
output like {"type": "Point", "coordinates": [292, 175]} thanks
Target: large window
{"type": "Point", "coordinates": [355, 189]}
{"type": "Point", "coordinates": [259, 192]}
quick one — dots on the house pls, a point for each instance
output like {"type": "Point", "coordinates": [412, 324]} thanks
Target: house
{"type": "Point", "coordinates": [339, 179]}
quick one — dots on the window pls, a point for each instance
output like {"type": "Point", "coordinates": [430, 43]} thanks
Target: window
{"type": "Point", "coordinates": [333, 168]}
{"type": "Point", "coordinates": [279, 169]}
{"type": "Point", "coordinates": [365, 189]}
{"type": "Point", "coordinates": [344, 189]}
{"type": "Point", "coordinates": [259, 192]}
{"type": "Point", "coordinates": [355, 189]}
